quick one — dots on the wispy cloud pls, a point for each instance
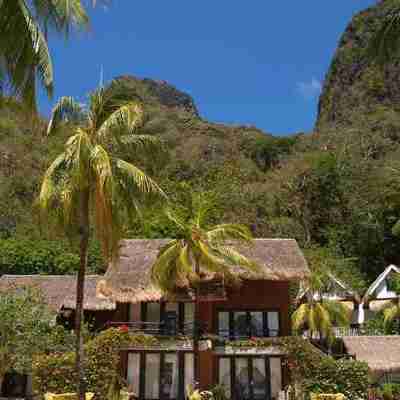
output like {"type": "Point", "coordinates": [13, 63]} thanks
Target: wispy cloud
{"type": "Point", "coordinates": [309, 90]}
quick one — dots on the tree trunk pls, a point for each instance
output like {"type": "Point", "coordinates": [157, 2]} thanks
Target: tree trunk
{"type": "Point", "coordinates": [1, 383]}
{"type": "Point", "coordinates": [196, 327]}
{"type": "Point", "coordinates": [80, 285]}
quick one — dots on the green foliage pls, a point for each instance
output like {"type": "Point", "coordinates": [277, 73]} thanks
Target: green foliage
{"type": "Point", "coordinates": [393, 283]}
{"type": "Point", "coordinates": [23, 257]}
{"type": "Point", "coordinates": [26, 329]}
{"type": "Point", "coordinates": [318, 373]}
{"type": "Point", "coordinates": [55, 372]}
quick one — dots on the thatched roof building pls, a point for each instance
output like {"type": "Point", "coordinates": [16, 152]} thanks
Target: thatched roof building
{"type": "Point", "coordinates": [59, 291]}
{"type": "Point", "coordinates": [129, 280]}
{"type": "Point", "coordinates": [381, 353]}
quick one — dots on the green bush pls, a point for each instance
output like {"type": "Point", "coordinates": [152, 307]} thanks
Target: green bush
{"type": "Point", "coordinates": [22, 256]}
{"type": "Point", "coordinates": [55, 372]}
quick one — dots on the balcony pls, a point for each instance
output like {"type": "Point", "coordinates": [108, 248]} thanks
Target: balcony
{"type": "Point", "coordinates": [167, 328]}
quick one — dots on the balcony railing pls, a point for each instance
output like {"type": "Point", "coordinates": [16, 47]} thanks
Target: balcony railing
{"type": "Point", "coordinates": [165, 328]}
{"type": "Point", "coordinates": [238, 333]}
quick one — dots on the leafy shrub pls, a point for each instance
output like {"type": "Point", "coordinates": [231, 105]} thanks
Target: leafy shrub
{"type": "Point", "coordinates": [22, 256]}
{"type": "Point", "coordinates": [56, 373]}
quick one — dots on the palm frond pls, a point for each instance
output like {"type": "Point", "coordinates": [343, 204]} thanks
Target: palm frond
{"type": "Point", "coordinates": [300, 317]}
{"type": "Point", "coordinates": [124, 120]}
{"type": "Point", "coordinates": [166, 273]}
{"type": "Point", "coordinates": [223, 232]}
{"type": "Point", "coordinates": [67, 110]}
{"type": "Point", "coordinates": [136, 177]}
{"type": "Point", "coordinates": [391, 313]}
{"type": "Point", "coordinates": [49, 187]}
{"type": "Point", "coordinates": [104, 102]}
{"type": "Point", "coordinates": [24, 51]}
{"type": "Point", "coordinates": [234, 258]}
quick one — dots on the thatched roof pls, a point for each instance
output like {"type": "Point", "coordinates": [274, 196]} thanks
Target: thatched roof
{"type": "Point", "coordinates": [129, 280]}
{"type": "Point", "coordinates": [382, 353]}
{"type": "Point", "coordinates": [59, 291]}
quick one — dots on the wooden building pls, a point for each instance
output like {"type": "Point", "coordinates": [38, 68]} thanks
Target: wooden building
{"type": "Point", "coordinates": [259, 307]}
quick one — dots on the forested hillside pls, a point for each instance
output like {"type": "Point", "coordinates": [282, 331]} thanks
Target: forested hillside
{"type": "Point", "coordinates": [335, 190]}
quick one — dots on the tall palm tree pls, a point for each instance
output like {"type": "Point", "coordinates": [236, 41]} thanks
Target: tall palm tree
{"type": "Point", "coordinates": [24, 53]}
{"type": "Point", "coordinates": [199, 249]}
{"type": "Point", "coordinates": [89, 185]}
{"type": "Point", "coordinates": [318, 315]}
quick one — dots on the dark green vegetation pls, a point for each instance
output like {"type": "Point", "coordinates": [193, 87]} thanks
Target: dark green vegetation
{"type": "Point", "coordinates": [337, 190]}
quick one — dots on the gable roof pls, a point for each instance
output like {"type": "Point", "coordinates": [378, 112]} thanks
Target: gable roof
{"type": "Point", "coordinates": [59, 291]}
{"type": "Point", "coordinates": [382, 353]}
{"type": "Point", "coordinates": [129, 280]}
{"type": "Point", "coordinates": [391, 268]}
{"type": "Point", "coordinates": [349, 294]}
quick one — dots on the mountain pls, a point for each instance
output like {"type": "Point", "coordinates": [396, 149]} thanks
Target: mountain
{"type": "Point", "coordinates": [335, 190]}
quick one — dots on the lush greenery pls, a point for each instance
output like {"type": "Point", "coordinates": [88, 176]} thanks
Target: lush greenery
{"type": "Point", "coordinates": [25, 256]}
{"type": "Point", "coordinates": [27, 328]}
{"type": "Point", "coordinates": [24, 53]}
{"type": "Point", "coordinates": [56, 372]}
{"type": "Point", "coordinates": [335, 190]}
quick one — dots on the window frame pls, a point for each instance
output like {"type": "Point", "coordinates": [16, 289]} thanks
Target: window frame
{"type": "Point", "coordinates": [231, 316]}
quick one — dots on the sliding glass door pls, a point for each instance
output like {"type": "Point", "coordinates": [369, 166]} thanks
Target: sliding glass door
{"type": "Point", "coordinates": [250, 377]}
{"type": "Point", "coordinates": [159, 375]}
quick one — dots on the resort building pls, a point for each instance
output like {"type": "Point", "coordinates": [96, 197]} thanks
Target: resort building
{"type": "Point", "coordinates": [259, 307]}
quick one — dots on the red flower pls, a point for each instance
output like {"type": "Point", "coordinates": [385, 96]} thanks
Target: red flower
{"type": "Point", "coordinates": [124, 328]}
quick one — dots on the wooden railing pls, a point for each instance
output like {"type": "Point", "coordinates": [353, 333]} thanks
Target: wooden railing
{"type": "Point", "coordinates": [164, 328]}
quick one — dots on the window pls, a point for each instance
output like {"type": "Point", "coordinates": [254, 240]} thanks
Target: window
{"type": "Point", "coordinates": [251, 377]}
{"type": "Point", "coordinates": [133, 378]}
{"type": "Point", "coordinates": [169, 377]}
{"type": "Point", "coordinates": [162, 375]}
{"type": "Point", "coordinates": [152, 377]}
{"type": "Point", "coordinates": [168, 318]}
{"type": "Point", "coordinates": [238, 324]}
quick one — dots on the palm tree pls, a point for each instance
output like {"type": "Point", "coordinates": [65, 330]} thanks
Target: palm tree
{"type": "Point", "coordinates": [391, 313]}
{"type": "Point", "coordinates": [24, 53]}
{"type": "Point", "coordinates": [199, 249]}
{"type": "Point", "coordinates": [319, 315]}
{"type": "Point", "coordinates": [89, 185]}
{"type": "Point", "coordinates": [386, 41]}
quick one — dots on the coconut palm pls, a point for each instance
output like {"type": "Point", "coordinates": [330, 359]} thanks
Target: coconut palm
{"type": "Point", "coordinates": [24, 53]}
{"type": "Point", "coordinates": [391, 313]}
{"type": "Point", "coordinates": [386, 41]}
{"type": "Point", "coordinates": [319, 315]}
{"type": "Point", "coordinates": [89, 185]}
{"type": "Point", "coordinates": [199, 249]}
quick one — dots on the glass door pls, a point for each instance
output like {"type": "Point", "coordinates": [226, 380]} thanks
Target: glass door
{"type": "Point", "coordinates": [242, 379]}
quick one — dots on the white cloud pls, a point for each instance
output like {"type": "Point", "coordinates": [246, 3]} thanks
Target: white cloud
{"type": "Point", "coordinates": [309, 90]}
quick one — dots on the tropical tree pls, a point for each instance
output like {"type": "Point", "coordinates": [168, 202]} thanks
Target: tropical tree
{"type": "Point", "coordinates": [319, 315]}
{"type": "Point", "coordinates": [199, 249]}
{"type": "Point", "coordinates": [90, 184]}
{"type": "Point", "coordinates": [24, 53]}
{"type": "Point", "coordinates": [26, 329]}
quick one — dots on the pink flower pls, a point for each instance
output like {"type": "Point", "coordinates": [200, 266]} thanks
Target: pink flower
{"type": "Point", "coordinates": [124, 328]}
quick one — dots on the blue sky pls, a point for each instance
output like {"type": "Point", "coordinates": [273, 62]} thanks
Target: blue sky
{"type": "Point", "coordinates": [257, 62]}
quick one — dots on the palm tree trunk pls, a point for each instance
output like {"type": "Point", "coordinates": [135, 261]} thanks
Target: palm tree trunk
{"type": "Point", "coordinates": [196, 326]}
{"type": "Point", "coordinates": [80, 285]}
